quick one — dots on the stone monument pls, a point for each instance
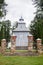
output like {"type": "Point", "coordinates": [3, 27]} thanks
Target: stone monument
{"type": "Point", "coordinates": [13, 44]}
{"type": "Point", "coordinates": [30, 43]}
{"type": "Point", "coordinates": [39, 45]}
{"type": "Point", "coordinates": [3, 45]}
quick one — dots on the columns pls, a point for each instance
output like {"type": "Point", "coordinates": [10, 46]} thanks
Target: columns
{"type": "Point", "coordinates": [3, 45]}
{"type": "Point", "coordinates": [39, 45]}
{"type": "Point", "coordinates": [13, 42]}
{"type": "Point", "coordinates": [30, 43]}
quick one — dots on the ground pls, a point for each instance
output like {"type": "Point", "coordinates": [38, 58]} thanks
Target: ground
{"type": "Point", "coordinates": [21, 60]}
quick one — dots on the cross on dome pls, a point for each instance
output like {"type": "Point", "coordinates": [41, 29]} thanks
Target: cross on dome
{"type": "Point", "coordinates": [21, 19]}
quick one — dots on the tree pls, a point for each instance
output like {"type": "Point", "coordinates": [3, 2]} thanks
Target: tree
{"type": "Point", "coordinates": [5, 30]}
{"type": "Point", "coordinates": [2, 8]}
{"type": "Point", "coordinates": [39, 5]}
{"type": "Point", "coordinates": [36, 27]}
{"type": "Point", "coordinates": [8, 25]}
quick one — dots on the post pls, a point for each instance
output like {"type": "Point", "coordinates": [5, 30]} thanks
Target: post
{"type": "Point", "coordinates": [30, 43]}
{"type": "Point", "coordinates": [3, 46]}
{"type": "Point", "coordinates": [39, 45]}
{"type": "Point", "coordinates": [13, 44]}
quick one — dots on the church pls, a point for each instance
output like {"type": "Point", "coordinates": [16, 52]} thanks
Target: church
{"type": "Point", "coordinates": [22, 33]}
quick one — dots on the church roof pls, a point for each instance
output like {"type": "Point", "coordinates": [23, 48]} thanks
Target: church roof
{"type": "Point", "coordinates": [21, 29]}
{"type": "Point", "coordinates": [21, 26]}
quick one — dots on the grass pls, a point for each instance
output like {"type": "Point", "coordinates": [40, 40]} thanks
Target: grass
{"type": "Point", "coordinates": [21, 50]}
{"type": "Point", "coordinates": [20, 60]}
{"type": "Point", "coordinates": [8, 50]}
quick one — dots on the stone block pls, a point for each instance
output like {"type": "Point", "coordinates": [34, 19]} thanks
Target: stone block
{"type": "Point", "coordinates": [13, 42]}
{"type": "Point", "coordinates": [30, 43]}
{"type": "Point", "coordinates": [39, 44]}
{"type": "Point", "coordinates": [3, 45]}
{"type": "Point", "coordinates": [30, 48]}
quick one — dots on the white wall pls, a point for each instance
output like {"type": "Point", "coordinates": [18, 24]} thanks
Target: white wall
{"type": "Point", "coordinates": [22, 39]}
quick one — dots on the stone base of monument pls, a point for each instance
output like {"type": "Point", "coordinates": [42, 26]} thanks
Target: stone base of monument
{"type": "Point", "coordinates": [13, 51]}
{"type": "Point", "coordinates": [21, 54]}
{"type": "Point", "coordinates": [30, 48]}
{"type": "Point", "coordinates": [3, 51]}
{"type": "Point", "coordinates": [40, 51]}
{"type": "Point", "coordinates": [3, 46]}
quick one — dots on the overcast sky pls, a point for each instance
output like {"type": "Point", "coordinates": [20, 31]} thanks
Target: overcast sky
{"type": "Point", "coordinates": [18, 8]}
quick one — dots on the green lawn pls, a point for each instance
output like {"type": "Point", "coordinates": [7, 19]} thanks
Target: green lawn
{"type": "Point", "coordinates": [20, 60]}
{"type": "Point", "coordinates": [8, 50]}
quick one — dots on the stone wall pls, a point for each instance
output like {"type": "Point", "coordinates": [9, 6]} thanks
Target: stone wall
{"type": "Point", "coordinates": [30, 43]}
{"type": "Point", "coordinates": [14, 48]}
{"type": "Point", "coordinates": [13, 44]}
{"type": "Point", "coordinates": [3, 46]}
{"type": "Point", "coordinates": [39, 45]}
{"type": "Point", "coordinates": [42, 47]}
{"type": "Point", "coordinates": [21, 47]}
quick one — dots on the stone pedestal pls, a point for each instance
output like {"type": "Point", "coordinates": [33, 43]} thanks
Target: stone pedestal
{"type": "Point", "coordinates": [30, 43]}
{"type": "Point", "coordinates": [39, 45]}
{"type": "Point", "coordinates": [13, 42]}
{"type": "Point", "coordinates": [3, 45]}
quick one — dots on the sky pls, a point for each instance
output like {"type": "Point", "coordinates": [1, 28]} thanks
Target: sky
{"type": "Point", "coordinates": [18, 8]}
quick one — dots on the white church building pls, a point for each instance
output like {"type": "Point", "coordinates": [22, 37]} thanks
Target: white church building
{"type": "Point", "coordinates": [22, 33]}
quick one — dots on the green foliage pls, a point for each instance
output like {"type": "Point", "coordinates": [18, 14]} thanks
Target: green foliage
{"type": "Point", "coordinates": [36, 26]}
{"type": "Point", "coordinates": [5, 30]}
{"type": "Point", "coordinates": [2, 8]}
{"type": "Point", "coordinates": [1, 1]}
{"type": "Point", "coordinates": [1, 14]}
{"type": "Point", "coordinates": [1, 4]}
{"type": "Point", "coordinates": [39, 5]}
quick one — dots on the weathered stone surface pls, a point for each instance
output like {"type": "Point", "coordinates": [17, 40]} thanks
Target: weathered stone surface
{"type": "Point", "coordinates": [40, 51]}
{"type": "Point", "coordinates": [39, 45]}
{"type": "Point", "coordinates": [30, 43]}
{"type": "Point", "coordinates": [3, 45]}
{"type": "Point", "coordinates": [13, 42]}
{"type": "Point", "coordinates": [30, 48]}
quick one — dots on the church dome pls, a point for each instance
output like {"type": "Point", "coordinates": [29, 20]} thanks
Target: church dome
{"type": "Point", "coordinates": [21, 19]}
